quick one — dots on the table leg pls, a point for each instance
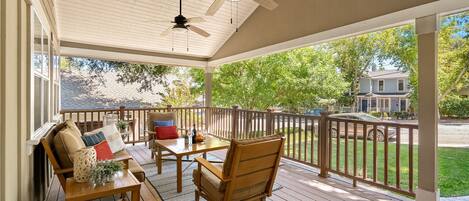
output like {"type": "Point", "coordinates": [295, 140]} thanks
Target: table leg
{"type": "Point", "coordinates": [136, 194]}
{"type": "Point", "coordinates": [179, 173]}
{"type": "Point", "coordinates": [159, 160]}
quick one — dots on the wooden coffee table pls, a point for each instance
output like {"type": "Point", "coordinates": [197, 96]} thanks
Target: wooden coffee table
{"type": "Point", "coordinates": [126, 182]}
{"type": "Point", "coordinates": [178, 148]}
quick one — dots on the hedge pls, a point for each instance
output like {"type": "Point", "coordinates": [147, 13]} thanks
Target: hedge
{"type": "Point", "coordinates": [455, 106]}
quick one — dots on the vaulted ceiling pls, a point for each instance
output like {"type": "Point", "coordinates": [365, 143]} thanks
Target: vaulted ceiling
{"type": "Point", "coordinates": [119, 29]}
{"type": "Point", "coordinates": [125, 24]}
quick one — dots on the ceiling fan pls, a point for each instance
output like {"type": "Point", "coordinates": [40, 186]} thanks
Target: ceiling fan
{"type": "Point", "coordinates": [216, 5]}
{"type": "Point", "coordinates": [182, 23]}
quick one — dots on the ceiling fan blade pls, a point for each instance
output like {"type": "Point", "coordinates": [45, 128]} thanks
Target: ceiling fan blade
{"type": "Point", "coordinates": [167, 31]}
{"type": "Point", "coordinates": [195, 20]}
{"type": "Point", "coordinates": [157, 21]}
{"type": "Point", "coordinates": [198, 30]}
{"type": "Point", "coordinates": [269, 4]}
{"type": "Point", "coordinates": [216, 5]}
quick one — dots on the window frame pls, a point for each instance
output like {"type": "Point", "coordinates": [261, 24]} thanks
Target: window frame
{"type": "Point", "coordinates": [379, 89]}
{"type": "Point", "coordinates": [49, 116]}
{"type": "Point", "coordinates": [398, 85]}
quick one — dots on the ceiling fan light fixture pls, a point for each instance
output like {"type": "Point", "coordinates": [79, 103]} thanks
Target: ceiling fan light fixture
{"type": "Point", "coordinates": [179, 28]}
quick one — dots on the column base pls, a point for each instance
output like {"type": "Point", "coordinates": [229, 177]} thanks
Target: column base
{"type": "Point", "coordinates": [424, 195]}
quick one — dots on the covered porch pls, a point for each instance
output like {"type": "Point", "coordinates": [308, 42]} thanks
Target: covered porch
{"type": "Point", "coordinates": [113, 30]}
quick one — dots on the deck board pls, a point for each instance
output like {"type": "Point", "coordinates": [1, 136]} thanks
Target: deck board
{"type": "Point", "coordinates": [298, 181]}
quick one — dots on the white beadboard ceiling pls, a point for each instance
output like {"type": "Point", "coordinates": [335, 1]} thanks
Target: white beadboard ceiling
{"type": "Point", "coordinates": [121, 23]}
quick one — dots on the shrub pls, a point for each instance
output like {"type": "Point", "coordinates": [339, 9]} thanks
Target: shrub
{"type": "Point", "coordinates": [376, 114]}
{"type": "Point", "coordinates": [455, 106]}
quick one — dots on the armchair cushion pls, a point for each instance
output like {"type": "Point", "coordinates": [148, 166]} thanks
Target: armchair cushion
{"type": "Point", "coordinates": [214, 188]}
{"type": "Point", "coordinates": [70, 124]}
{"type": "Point", "coordinates": [67, 144]}
{"type": "Point", "coordinates": [166, 132]}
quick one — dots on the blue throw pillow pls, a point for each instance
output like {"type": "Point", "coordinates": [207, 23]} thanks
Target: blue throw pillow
{"type": "Point", "coordinates": [94, 139]}
{"type": "Point", "coordinates": [163, 123]}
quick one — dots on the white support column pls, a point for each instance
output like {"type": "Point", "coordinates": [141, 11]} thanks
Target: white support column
{"type": "Point", "coordinates": [208, 86]}
{"type": "Point", "coordinates": [427, 31]}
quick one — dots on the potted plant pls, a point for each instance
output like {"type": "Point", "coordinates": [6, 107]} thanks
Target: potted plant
{"type": "Point", "coordinates": [122, 126]}
{"type": "Point", "coordinates": [104, 172]}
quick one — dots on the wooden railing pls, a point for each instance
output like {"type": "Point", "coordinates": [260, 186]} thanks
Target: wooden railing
{"type": "Point", "coordinates": [333, 145]}
{"type": "Point", "coordinates": [364, 152]}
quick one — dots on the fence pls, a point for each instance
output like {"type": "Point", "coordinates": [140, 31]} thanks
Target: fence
{"type": "Point", "coordinates": [364, 151]}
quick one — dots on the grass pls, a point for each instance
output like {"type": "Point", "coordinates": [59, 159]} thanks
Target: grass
{"type": "Point", "coordinates": [452, 162]}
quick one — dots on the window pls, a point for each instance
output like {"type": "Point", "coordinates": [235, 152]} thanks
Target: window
{"type": "Point", "coordinates": [44, 76]}
{"type": "Point", "coordinates": [380, 85]}
{"type": "Point", "coordinates": [400, 85]}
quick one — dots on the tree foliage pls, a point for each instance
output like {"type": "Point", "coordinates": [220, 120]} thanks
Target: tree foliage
{"type": "Point", "coordinates": [354, 57]}
{"type": "Point", "coordinates": [293, 80]}
{"type": "Point", "coordinates": [147, 75]}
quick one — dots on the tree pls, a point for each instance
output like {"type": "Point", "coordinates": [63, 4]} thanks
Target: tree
{"type": "Point", "coordinates": [147, 75]}
{"type": "Point", "coordinates": [178, 95]}
{"type": "Point", "coordinates": [354, 57]}
{"type": "Point", "coordinates": [294, 80]}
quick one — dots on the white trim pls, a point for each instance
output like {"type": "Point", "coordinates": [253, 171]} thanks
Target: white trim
{"type": "Point", "coordinates": [101, 54]}
{"type": "Point", "coordinates": [374, 24]}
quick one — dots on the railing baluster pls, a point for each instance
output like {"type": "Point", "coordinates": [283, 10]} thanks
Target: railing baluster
{"type": "Point", "coordinates": [346, 148]}
{"type": "Point", "coordinates": [375, 153]}
{"type": "Point", "coordinates": [337, 167]}
{"type": "Point", "coordinates": [398, 156]}
{"type": "Point", "coordinates": [355, 153]}
{"type": "Point", "coordinates": [411, 160]}
{"type": "Point", "coordinates": [386, 134]}
{"type": "Point", "coordinates": [365, 128]}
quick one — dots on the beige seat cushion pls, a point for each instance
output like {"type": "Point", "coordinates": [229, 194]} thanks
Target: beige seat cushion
{"type": "Point", "coordinates": [70, 124]}
{"type": "Point", "coordinates": [66, 144]}
{"type": "Point", "coordinates": [215, 189]}
{"type": "Point", "coordinates": [137, 170]}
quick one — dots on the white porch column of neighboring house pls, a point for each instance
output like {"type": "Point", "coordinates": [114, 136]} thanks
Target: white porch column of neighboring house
{"type": "Point", "coordinates": [427, 31]}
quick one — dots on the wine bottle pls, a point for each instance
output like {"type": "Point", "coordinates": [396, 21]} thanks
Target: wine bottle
{"type": "Point", "coordinates": [194, 134]}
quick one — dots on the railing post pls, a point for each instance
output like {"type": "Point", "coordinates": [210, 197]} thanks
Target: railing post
{"type": "Point", "coordinates": [323, 145]}
{"type": "Point", "coordinates": [207, 118]}
{"type": "Point", "coordinates": [234, 122]}
{"type": "Point", "coordinates": [269, 122]}
{"type": "Point", "coordinates": [168, 107]}
{"type": "Point", "coordinates": [121, 113]}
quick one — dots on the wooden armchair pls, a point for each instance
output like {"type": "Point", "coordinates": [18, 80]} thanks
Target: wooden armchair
{"type": "Point", "coordinates": [61, 171]}
{"type": "Point", "coordinates": [158, 116]}
{"type": "Point", "coordinates": [248, 172]}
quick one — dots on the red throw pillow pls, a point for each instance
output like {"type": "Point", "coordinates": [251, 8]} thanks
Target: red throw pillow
{"type": "Point", "coordinates": [103, 151]}
{"type": "Point", "coordinates": [166, 132]}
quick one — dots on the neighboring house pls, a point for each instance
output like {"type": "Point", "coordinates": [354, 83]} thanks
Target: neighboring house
{"type": "Point", "coordinates": [384, 91]}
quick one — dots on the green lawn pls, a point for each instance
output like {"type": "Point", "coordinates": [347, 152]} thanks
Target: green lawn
{"type": "Point", "coordinates": [453, 163]}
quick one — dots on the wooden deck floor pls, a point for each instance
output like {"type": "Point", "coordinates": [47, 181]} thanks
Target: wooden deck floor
{"type": "Point", "coordinates": [299, 182]}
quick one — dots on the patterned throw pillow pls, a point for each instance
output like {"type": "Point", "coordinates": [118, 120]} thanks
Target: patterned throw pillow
{"type": "Point", "coordinates": [103, 151]}
{"type": "Point", "coordinates": [163, 123]}
{"type": "Point", "coordinates": [112, 136]}
{"type": "Point", "coordinates": [93, 139]}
